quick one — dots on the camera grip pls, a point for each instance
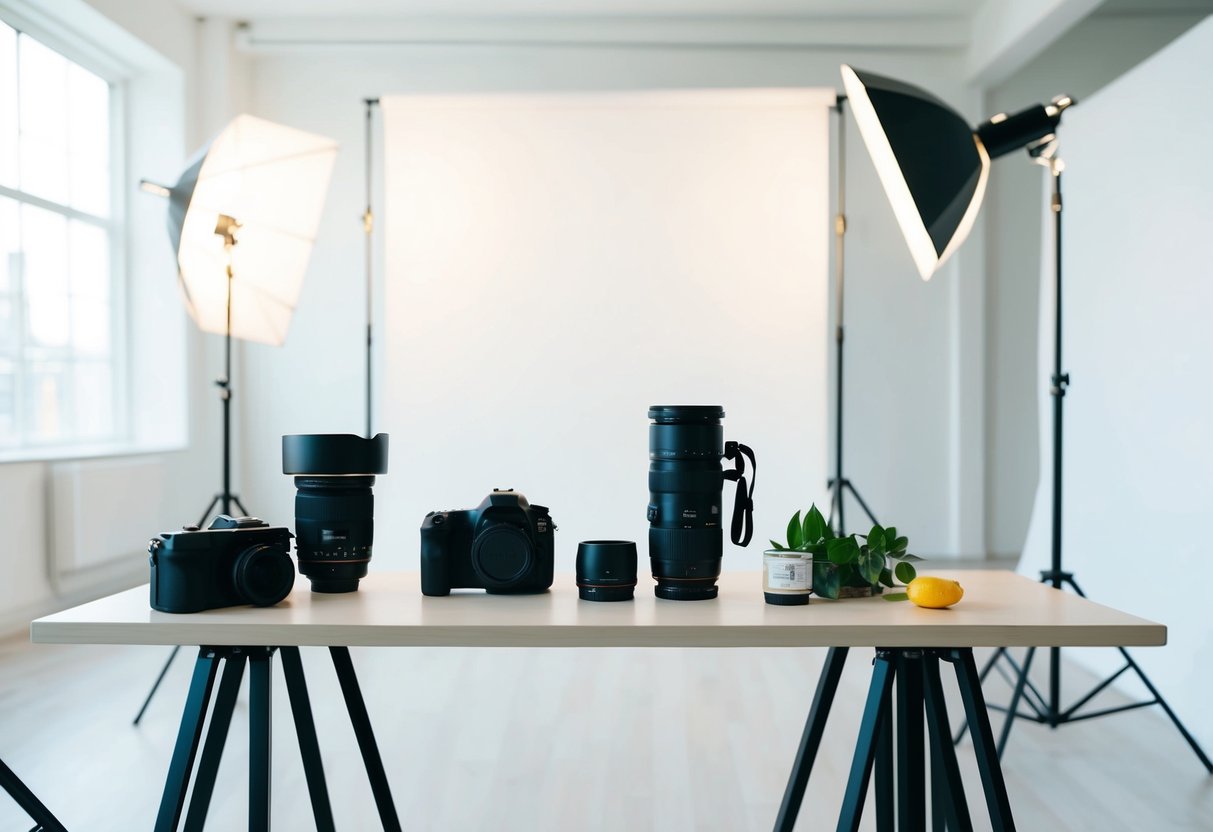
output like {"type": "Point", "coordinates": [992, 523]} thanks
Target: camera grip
{"type": "Point", "coordinates": [435, 571]}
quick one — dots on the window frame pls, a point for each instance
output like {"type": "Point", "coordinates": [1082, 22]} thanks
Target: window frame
{"type": "Point", "coordinates": [121, 437]}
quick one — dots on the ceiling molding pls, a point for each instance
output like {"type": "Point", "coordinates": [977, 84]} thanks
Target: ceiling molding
{"type": "Point", "coordinates": [918, 33]}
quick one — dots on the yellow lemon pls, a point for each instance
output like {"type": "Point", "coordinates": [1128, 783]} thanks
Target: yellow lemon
{"type": "Point", "coordinates": [934, 593]}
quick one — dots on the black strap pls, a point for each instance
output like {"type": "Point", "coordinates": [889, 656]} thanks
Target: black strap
{"type": "Point", "coordinates": [743, 505]}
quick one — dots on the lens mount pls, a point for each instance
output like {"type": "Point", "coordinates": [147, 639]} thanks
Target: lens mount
{"type": "Point", "coordinates": [502, 555]}
{"type": "Point", "coordinates": [697, 589]}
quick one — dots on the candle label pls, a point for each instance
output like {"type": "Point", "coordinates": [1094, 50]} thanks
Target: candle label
{"type": "Point", "coordinates": [788, 573]}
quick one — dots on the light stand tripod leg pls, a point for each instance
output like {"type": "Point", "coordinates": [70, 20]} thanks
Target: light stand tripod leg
{"type": "Point", "coordinates": [28, 801]}
{"type": "Point", "coordinates": [1013, 708]}
{"type": "Point", "coordinates": [1145, 680]}
{"type": "Point", "coordinates": [156, 684]}
{"type": "Point", "coordinates": [862, 504]}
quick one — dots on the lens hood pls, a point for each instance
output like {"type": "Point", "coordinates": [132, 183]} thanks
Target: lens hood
{"type": "Point", "coordinates": [334, 454]}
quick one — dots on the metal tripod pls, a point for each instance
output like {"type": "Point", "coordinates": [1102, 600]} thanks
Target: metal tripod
{"type": "Point", "coordinates": [1048, 710]}
{"type": "Point", "coordinates": [839, 485]}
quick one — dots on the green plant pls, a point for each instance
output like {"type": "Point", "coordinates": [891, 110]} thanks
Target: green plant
{"type": "Point", "coordinates": [845, 561]}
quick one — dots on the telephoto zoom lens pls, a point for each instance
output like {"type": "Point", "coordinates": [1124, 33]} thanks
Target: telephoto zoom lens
{"type": "Point", "coordinates": [686, 444]}
{"type": "Point", "coordinates": [334, 506]}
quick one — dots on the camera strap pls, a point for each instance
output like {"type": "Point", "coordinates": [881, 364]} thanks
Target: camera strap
{"type": "Point", "coordinates": [743, 504]}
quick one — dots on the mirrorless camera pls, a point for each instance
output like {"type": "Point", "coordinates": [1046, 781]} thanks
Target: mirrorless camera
{"type": "Point", "coordinates": [238, 560]}
{"type": "Point", "coordinates": [504, 545]}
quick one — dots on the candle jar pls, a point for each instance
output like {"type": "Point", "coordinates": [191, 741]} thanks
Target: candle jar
{"type": "Point", "coordinates": [787, 577]}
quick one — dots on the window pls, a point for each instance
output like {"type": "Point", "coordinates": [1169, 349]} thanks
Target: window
{"type": "Point", "coordinates": [59, 244]}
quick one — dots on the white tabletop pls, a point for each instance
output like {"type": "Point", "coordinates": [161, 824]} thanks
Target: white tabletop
{"type": "Point", "coordinates": [999, 609]}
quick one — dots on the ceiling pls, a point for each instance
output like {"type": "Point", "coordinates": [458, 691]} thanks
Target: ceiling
{"type": "Point", "coordinates": [262, 9]}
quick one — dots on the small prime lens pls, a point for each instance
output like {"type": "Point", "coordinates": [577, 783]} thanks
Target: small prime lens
{"type": "Point", "coordinates": [606, 570]}
{"type": "Point", "coordinates": [263, 575]}
{"type": "Point", "coordinates": [334, 505]}
{"type": "Point", "coordinates": [686, 444]}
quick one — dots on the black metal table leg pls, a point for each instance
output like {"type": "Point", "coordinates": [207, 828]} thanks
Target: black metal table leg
{"type": "Point", "coordinates": [309, 746]}
{"type": "Point", "coordinates": [947, 791]}
{"type": "Point", "coordinates": [911, 780]}
{"type": "Point", "coordinates": [216, 737]}
{"type": "Point", "coordinates": [810, 740]}
{"type": "Point", "coordinates": [939, 789]}
{"type": "Point", "coordinates": [361, 721]}
{"type": "Point", "coordinates": [886, 797]}
{"type": "Point", "coordinates": [188, 734]}
{"type": "Point", "coordinates": [876, 710]}
{"type": "Point", "coordinates": [997, 802]}
{"type": "Point", "coordinates": [260, 712]}
{"type": "Point", "coordinates": [28, 801]}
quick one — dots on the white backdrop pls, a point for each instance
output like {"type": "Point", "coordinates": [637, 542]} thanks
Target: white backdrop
{"type": "Point", "coordinates": [557, 263]}
{"type": "Point", "coordinates": [1138, 487]}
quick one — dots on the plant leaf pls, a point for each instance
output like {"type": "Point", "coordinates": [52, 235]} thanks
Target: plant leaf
{"type": "Point", "coordinates": [842, 550]}
{"type": "Point", "coordinates": [814, 525]}
{"type": "Point", "coordinates": [876, 539]}
{"type": "Point", "coordinates": [896, 596]}
{"type": "Point", "coordinates": [827, 579]}
{"type": "Point", "coordinates": [870, 563]}
{"type": "Point", "coordinates": [794, 537]}
{"type": "Point", "coordinates": [890, 534]}
{"type": "Point", "coordinates": [906, 572]}
{"type": "Point", "coordinates": [905, 557]}
{"type": "Point", "coordinates": [778, 546]}
{"type": "Point", "coordinates": [886, 577]}
{"type": "Point", "coordinates": [899, 544]}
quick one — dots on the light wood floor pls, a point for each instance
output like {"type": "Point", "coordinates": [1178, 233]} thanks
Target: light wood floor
{"type": "Point", "coordinates": [606, 739]}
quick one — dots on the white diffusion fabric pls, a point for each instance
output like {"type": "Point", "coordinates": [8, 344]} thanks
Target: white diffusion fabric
{"type": "Point", "coordinates": [558, 263]}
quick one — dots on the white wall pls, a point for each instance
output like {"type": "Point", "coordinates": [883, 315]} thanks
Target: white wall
{"type": "Point", "coordinates": [1092, 54]}
{"type": "Point", "coordinates": [1137, 289]}
{"type": "Point", "coordinates": [630, 249]}
{"type": "Point", "coordinates": [906, 385]}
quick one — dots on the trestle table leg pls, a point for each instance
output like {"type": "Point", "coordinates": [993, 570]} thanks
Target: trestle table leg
{"type": "Point", "coordinates": [810, 740]}
{"type": "Point", "coordinates": [192, 718]}
{"type": "Point", "coordinates": [361, 721]}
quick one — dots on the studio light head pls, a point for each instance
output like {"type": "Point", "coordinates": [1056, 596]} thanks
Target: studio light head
{"type": "Point", "coordinates": [932, 164]}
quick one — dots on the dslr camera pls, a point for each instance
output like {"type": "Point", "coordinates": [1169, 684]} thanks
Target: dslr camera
{"type": "Point", "coordinates": [504, 545]}
{"type": "Point", "coordinates": [238, 560]}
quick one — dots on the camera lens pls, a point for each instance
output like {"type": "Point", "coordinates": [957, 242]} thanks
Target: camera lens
{"type": "Point", "coordinates": [263, 575]}
{"type": "Point", "coordinates": [334, 505]}
{"type": "Point", "coordinates": [686, 444]}
{"type": "Point", "coordinates": [606, 570]}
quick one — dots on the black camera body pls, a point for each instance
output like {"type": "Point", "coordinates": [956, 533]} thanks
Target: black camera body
{"type": "Point", "coordinates": [238, 560]}
{"type": "Point", "coordinates": [504, 545]}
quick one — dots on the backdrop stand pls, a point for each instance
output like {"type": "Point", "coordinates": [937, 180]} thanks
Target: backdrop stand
{"type": "Point", "coordinates": [839, 486]}
{"type": "Point", "coordinates": [1049, 711]}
